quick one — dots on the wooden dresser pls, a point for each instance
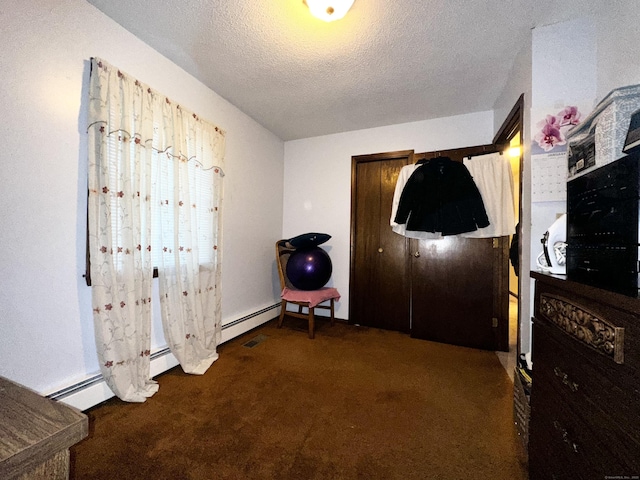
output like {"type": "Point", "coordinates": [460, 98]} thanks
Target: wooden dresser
{"type": "Point", "coordinates": [585, 398]}
{"type": "Point", "coordinates": [35, 434]}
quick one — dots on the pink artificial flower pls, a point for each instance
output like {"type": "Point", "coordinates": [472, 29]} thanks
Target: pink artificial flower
{"type": "Point", "coordinates": [569, 116]}
{"type": "Point", "coordinates": [552, 120]}
{"type": "Point", "coordinates": [550, 136]}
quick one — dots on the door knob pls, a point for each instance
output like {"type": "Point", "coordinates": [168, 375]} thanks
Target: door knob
{"type": "Point", "coordinates": [380, 250]}
{"type": "Point", "coordinates": [417, 254]}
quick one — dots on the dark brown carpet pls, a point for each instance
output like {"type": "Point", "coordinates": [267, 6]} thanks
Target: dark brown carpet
{"type": "Point", "coordinates": [355, 403]}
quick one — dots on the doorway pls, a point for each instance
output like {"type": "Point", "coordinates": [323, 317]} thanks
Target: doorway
{"type": "Point", "coordinates": [510, 134]}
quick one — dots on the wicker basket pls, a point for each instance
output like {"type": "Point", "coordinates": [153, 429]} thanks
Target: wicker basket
{"type": "Point", "coordinates": [521, 408]}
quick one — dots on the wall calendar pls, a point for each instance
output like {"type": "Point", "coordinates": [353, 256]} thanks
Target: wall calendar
{"type": "Point", "coordinates": [549, 177]}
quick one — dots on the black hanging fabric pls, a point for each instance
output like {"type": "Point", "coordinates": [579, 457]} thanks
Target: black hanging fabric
{"type": "Point", "coordinates": [513, 250]}
{"type": "Point", "coordinates": [441, 196]}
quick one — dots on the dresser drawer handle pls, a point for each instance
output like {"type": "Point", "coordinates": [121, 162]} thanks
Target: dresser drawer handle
{"type": "Point", "coordinates": [583, 326]}
{"type": "Point", "coordinates": [564, 378]}
{"type": "Point", "coordinates": [565, 436]}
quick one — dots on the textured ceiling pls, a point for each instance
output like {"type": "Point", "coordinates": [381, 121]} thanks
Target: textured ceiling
{"type": "Point", "coordinates": [386, 62]}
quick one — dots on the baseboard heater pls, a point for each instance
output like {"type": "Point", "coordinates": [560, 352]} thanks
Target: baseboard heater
{"type": "Point", "coordinates": [232, 329]}
{"type": "Point", "coordinates": [71, 389]}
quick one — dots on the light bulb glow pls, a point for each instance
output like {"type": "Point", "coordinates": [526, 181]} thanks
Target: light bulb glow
{"type": "Point", "coordinates": [329, 10]}
{"type": "Point", "coordinates": [514, 152]}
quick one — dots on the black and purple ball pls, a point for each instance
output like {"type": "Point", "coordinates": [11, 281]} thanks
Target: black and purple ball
{"type": "Point", "coordinates": [309, 268]}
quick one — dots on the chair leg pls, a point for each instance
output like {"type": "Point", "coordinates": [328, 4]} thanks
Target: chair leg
{"type": "Point", "coordinates": [333, 319]}
{"type": "Point", "coordinates": [283, 309]}
{"type": "Point", "coordinates": [311, 323]}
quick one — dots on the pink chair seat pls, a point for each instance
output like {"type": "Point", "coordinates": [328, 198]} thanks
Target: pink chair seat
{"type": "Point", "coordinates": [313, 297]}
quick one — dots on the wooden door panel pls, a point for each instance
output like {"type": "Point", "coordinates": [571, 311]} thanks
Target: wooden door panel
{"type": "Point", "coordinates": [452, 292]}
{"type": "Point", "coordinates": [379, 293]}
{"type": "Point", "coordinates": [393, 312]}
{"type": "Point", "coordinates": [365, 279]}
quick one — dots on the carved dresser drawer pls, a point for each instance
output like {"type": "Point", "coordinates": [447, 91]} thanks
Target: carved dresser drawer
{"type": "Point", "coordinates": [585, 399]}
{"type": "Point", "coordinates": [565, 445]}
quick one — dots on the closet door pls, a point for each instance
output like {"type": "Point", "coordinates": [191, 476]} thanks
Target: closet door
{"type": "Point", "coordinates": [453, 292]}
{"type": "Point", "coordinates": [459, 286]}
{"type": "Point", "coordinates": [379, 281]}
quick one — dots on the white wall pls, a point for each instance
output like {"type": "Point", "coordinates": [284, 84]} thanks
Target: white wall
{"type": "Point", "coordinates": [618, 36]}
{"type": "Point", "coordinates": [518, 83]}
{"type": "Point", "coordinates": [582, 61]}
{"type": "Point", "coordinates": [317, 188]}
{"type": "Point", "coordinates": [563, 73]}
{"type": "Point", "coordinates": [46, 331]}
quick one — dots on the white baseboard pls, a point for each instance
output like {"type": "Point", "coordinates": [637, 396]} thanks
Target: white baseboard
{"type": "Point", "coordinates": [94, 390]}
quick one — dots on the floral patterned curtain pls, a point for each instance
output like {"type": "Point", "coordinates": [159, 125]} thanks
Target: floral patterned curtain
{"type": "Point", "coordinates": [148, 159]}
{"type": "Point", "coordinates": [189, 225]}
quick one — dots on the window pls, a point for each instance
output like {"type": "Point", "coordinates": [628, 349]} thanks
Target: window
{"type": "Point", "coordinates": [153, 201]}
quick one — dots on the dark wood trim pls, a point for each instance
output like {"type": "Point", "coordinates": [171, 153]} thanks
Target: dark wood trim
{"type": "Point", "coordinates": [501, 306]}
{"type": "Point", "coordinates": [512, 124]}
{"type": "Point", "coordinates": [458, 154]}
{"type": "Point", "coordinates": [87, 266]}
{"type": "Point", "coordinates": [375, 157]}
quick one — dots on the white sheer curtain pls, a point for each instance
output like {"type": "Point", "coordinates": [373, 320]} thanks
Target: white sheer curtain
{"type": "Point", "coordinates": [189, 221]}
{"type": "Point", "coordinates": [154, 201]}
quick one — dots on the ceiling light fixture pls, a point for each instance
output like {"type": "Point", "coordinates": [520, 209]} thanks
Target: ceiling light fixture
{"type": "Point", "coordinates": [329, 10]}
